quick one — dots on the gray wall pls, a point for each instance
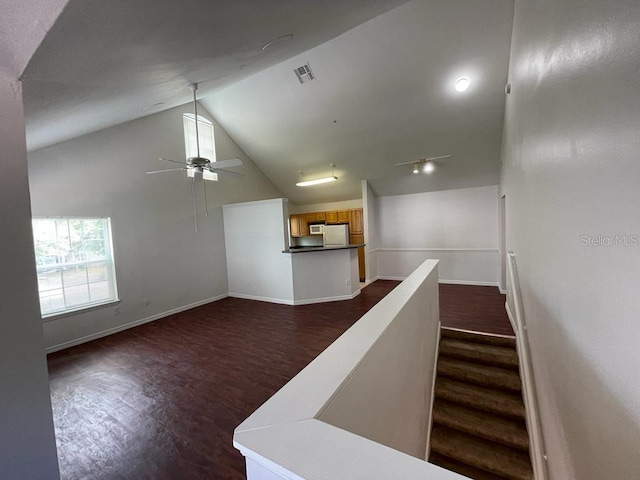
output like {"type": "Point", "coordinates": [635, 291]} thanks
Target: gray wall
{"type": "Point", "coordinates": [158, 254]}
{"type": "Point", "coordinates": [571, 172]}
{"type": "Point", "coordinates": [27, 444]}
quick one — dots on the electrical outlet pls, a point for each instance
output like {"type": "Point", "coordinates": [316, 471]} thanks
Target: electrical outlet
{"type": "Point", "coordinates": [347, 282]}
{"type": "Point", "coordinates": [146, 302]}
{"type": "Point", "coordinates": [116, 310]}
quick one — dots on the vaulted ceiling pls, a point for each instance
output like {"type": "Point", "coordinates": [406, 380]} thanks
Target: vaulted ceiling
{"type": "Point", "coordinates": [383, 94]}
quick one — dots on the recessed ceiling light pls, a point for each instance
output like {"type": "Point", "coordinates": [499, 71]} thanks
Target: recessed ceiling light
{"type": "Point", "coordinates": [462, 84]}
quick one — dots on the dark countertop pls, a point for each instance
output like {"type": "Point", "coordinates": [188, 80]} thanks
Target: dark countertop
{"type": "Point", "coordinates": [322, 249]}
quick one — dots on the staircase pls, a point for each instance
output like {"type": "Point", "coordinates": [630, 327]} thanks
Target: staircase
{"type": "Point", "coordinates": [478, 414]}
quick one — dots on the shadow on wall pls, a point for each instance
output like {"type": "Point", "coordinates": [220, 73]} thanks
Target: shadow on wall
{"type": "Point", "coordinates": [597, 429]}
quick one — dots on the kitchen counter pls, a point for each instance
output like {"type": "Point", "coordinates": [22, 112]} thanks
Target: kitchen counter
{"type": "Point", "coordinates": [321, 249]}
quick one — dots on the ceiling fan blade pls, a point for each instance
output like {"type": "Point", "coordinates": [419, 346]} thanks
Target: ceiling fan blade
{"type": "Point", "coordinates": [422, 160]}
{"type": "Point", "coordinates": [226, 172]}
{"type": "Point", "coordinates": [172, 161]}
{"type": "Point", "coordinates": [168, 170]}
{"type": "Point", "coordinates": [232, 162]}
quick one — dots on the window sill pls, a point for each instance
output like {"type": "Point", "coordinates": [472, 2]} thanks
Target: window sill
{"type": "Point", "coordinates": [79, 310]}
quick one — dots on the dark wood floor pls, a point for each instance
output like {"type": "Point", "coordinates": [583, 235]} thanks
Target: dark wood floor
{"type": "Point", "coordinates": [160, 401]}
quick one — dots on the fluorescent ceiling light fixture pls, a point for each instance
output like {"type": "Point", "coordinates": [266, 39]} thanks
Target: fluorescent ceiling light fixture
{"type": "Point", "coordinates": [462, 84]}
{"type": "Point", "coordinates": [317, 181]}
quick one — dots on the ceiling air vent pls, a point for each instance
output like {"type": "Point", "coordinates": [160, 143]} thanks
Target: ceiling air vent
{"type": "Point", "coordinates": [304, 73]}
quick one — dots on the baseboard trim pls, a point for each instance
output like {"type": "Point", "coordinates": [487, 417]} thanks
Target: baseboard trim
{"type": "Point", "coordinates": [283, 301]}
{"type": "Point", "coordinates": [511, 318]}
{"type": "Point", "coordinates": [433, 393]}
{"type": "Point", "coordinates": [126, 326]}
{"type": "Point", "coordinates": [257, 298]}
{"type": "Point", "coordinates": [502, 291]}
{"type": "Point", "coordinates": [327, 299]}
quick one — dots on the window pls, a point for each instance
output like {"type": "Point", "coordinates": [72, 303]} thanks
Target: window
{"type": "Point", "coordinates": [207, 142]}
{"type": "Point", "coordinates": [74, 261]}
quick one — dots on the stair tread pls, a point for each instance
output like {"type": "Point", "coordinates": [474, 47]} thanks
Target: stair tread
{"type": "Point", "coordinates": [462, 468]}
{"type": "Point", "coordinates": [479, 373]}
{"type": "Point", "coordinates": [493, 354]}
{"type": "Point", "coordinates": [512, 433]}
{"type": "Point", "coordinates": [481, 454]}
{"type": "Point", "coordinates": [502, 341]}
{"type": "Point", "coordinates": [483, 398]}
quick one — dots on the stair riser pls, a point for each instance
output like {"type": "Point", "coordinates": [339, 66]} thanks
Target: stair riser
{"type": "Point", "coordinates": [508, 361]}
{"type": "Point", "coordinates": [486, 405]}
{"type": "Point", "coordinates": [511, 441]}
{"type": "Point", "coordinates": [512, 384]}
{"type": "Point", "coordinates": [479, 338]}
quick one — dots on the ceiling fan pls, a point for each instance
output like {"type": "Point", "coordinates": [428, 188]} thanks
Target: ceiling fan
{"type": "Point", "coordinates": [198, 167]}
{"type": "Point", "coordinates": [200, 164]}
{"type": "Point", "coordinates": [427, 165]}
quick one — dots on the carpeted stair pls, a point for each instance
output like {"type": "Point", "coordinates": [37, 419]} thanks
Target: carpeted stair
{"type": "Point", "coordinates": [478, 414]}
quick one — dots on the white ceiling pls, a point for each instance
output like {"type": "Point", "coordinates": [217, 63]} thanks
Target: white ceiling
{"type": "Point", "coordinates": [384, 89]}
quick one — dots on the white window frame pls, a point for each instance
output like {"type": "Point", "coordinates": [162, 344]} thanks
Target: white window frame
{"type": "Point", "coordinates": [58, 256]}
{"type": "Point", "coordinates": [207, 141]}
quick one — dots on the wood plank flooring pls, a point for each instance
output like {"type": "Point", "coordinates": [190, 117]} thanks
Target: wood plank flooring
{"type": "Point", "coordinates": [160, 401]}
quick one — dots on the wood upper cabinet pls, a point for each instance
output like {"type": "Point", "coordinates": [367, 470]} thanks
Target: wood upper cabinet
{"type": "Point", "coordinates": [343, 216]}
{"type": "Point", "coordinates": [331, 217]}
{"type": "Point", "coordinates": [320, 216]}
{"type": "Point", "coordinates": [298, 225]}
{"type": "Point", "coordinates": [356, 226]}
{"type": "Point", "coordinates": [294, 226]}
{"type": "Point", "coordinates": [310, 217]}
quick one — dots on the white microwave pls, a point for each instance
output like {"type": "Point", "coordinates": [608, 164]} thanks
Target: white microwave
{"type": "Point", "coordinates": [316, 229]}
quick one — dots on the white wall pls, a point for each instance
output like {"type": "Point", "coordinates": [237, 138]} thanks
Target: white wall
{"type": "Point", "coordinates": [158, 254]}
{"type": "Point", "coordinates": [458, 227]}
{"type": "Point", "coordinates": [326, 207]}
{"type": "Point", "coordinates": [256, 233]}
{"type": "Point", "coordinates": [27, 443]}
{"type": "Point", "coordinates": [571, 168]}
{"type": "Point", "coordinates": [369, 217]}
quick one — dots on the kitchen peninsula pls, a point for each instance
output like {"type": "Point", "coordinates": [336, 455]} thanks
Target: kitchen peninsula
{"type": "Point", "coordinates": [262, 266]}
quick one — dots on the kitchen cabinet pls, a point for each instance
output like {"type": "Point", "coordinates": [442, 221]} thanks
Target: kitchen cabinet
{"type": "Point", "coordinates": [298, 225]}
{"type": "Point", "coordinates": [356, 226]}
{"type": "Point", "coordinates": [310, 217]}
{"type": "Point", "coordinates": [320, 216]}
{"type": "Point", "coordinates": [337, 217]}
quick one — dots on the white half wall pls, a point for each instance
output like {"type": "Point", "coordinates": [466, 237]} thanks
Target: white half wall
{"type": "Point", "coordinates": [361, 408]}
{"type": "Point", "coordinates": [325, 276]}
{"type": "Point", "coordinates": [458, 227]}
{"type": "Point", "coordinates": [571, 170]}
{"type": "Point", "coordinates": [27, 442]}
{"type": "Point", "coordinates": [256, 233]}
{"type": "Point", "coordinates": [158, 254]}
